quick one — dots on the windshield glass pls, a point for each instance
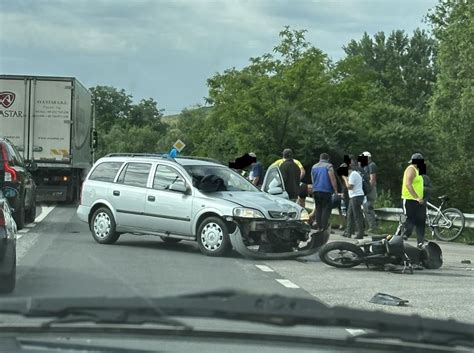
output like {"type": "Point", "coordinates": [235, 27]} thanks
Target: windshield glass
{"type": "Point", "coordinates": [213, 178]}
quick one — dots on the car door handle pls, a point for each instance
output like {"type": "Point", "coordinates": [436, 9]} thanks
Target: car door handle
{"type": "Point", "coordinates": [116, 193]}
{"type": "Point", "coordinates": [151, 198]}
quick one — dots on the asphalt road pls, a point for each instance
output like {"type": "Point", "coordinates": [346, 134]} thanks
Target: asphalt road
{"type": "Point", "coordinates": [58, 257]}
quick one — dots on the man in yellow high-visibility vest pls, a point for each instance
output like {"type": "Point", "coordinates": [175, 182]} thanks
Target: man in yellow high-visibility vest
{"type": "Point", "coordinates": [412, 199]}
{"type": "Point", "coordinates": [279, 162]}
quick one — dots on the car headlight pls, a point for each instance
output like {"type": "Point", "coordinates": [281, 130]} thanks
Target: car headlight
{"type": "Point", "coordinates": [247, 213]}
{"type": "Point", "coordinates": [304, 215]}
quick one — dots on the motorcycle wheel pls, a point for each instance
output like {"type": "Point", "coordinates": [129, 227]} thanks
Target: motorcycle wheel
{"type": "Point", "coordinates": [341, 254]}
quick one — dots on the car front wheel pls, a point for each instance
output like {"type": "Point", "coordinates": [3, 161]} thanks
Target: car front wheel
{"type": "Point", "coordinates": [213, 237]}
{"type": "Point", "coordinates": [103, 226]}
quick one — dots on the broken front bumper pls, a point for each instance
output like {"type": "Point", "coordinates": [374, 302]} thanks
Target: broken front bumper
{"type": "Point", "coordinates": [314, 240]}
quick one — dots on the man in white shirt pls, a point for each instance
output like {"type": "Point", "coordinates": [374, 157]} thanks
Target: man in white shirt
{"type": "Point", "coordinates": [356, 197]}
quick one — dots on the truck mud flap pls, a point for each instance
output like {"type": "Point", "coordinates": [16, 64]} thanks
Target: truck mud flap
{"type": "Point", "coordinates": [318, 239]}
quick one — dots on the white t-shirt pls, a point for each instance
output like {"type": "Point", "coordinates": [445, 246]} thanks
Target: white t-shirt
{"type": "Point", "coordinates": [355, 179]}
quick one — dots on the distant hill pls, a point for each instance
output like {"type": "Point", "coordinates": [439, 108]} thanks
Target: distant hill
{"type": "Point", "coordinates": [173, 118]}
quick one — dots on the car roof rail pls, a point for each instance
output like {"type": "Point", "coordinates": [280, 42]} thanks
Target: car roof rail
{"type": "Point", "coordinates": [162, 156]}
{"type": "Point", "coordinates": [150, 155]}
{"type": "Point", "coordinates": [126, 154]}
{"type": "Point", "coordinates": [207, 159]}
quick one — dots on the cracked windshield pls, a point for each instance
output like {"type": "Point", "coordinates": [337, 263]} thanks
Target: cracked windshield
{"type": "Point", "coordinates": [236, 176]}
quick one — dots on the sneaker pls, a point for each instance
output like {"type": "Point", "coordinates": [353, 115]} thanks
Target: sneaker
{"type": "Point", "coordinates": [420, 245]}
{"type": "Point", "coordinates": [341, 227]}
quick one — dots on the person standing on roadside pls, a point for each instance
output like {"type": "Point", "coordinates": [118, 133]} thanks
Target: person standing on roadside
{"type": "Point", "coordinates": [291, 175]}
{"type": "Point", "coordinates": [256, 171]}
{"type": "Point", "coordinates": [355, 215]}
{"type": "Point", "coordinates": [369, 206]}
{"type": "Point", "coordinates": [279, 162]}
{"type": "Point", "coordinates": [324, 185]}
{"type": "Point", "coordinates": [344, 195]}
{"type": "Point", "coordinates": [413, 203]}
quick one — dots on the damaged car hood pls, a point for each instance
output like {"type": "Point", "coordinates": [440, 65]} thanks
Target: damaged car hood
{"type": "Point", "coordinates": [258, 200]}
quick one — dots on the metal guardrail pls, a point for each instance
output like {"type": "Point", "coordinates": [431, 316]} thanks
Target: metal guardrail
{"type": "Point", "coordinates": [392, 214]}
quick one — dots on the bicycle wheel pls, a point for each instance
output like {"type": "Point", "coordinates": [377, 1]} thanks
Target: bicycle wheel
{"type": "Point", "coordinates": [450, 226]}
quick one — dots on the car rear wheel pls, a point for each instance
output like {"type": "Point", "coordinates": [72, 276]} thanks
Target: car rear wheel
{"type": "Point", "coordinates": [30, 215]}
{"type": "Point", "coordinates": [19, 216]}
{"type": "Point", "coordinates": [103, 226]}
{"type": "Point", "coordinates": [8, 270]}
{"type": "Point", "coordinates": [213, 237]}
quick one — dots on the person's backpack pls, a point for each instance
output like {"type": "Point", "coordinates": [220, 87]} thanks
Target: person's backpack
{"type": "Point", "coordinates": [366, 186]}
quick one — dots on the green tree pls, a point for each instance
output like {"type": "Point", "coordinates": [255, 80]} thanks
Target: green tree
{"type": "Point", "coordinates": [123, 126]}
{"type": "Point", "coordinates": [402, 65]}
{"type": "Point", "coordinates": [262, 106]}
{"type": "Point", "coordinates": [112, 106]}
{"type": "Point", "coordinates": [130, 139]}
{"type": "Point", "coordinates": [452, 105]}
{"type": "Point", "coordinates": [147, 113]}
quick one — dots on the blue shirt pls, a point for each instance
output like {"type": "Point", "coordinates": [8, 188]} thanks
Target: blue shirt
{"type": "Point", "coordinates": [320, 177]}
{"type": "Point", "coordinates": [257, 171]}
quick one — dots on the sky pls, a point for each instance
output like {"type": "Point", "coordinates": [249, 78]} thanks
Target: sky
{"type": "Point", "coordinates": [167, 49]}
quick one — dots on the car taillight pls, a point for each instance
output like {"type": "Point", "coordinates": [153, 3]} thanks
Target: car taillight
{"type": "Point", "coordinates": [10, 173]}
{"type": "Point", "coordinates": [2, 218]}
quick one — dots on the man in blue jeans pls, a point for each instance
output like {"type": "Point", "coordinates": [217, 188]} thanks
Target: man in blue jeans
{"type": "Point", "coordinates": [324, 185]}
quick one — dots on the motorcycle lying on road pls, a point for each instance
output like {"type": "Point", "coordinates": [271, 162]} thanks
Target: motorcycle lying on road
{"type": "Point", "coordinates": [381, 251]}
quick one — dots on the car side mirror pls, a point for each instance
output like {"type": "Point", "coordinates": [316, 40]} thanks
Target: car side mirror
{"type": "Point", "coordinates": [275, 190]}
{"type": "Point", "coordinates": [179, 187]}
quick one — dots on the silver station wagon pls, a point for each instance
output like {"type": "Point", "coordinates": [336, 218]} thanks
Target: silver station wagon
{"type": "Point", "coordinates": [194, 199]}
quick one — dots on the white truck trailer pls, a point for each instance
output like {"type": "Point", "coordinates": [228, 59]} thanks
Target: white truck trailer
{"type": "Point", "coordinates": [51, 122]}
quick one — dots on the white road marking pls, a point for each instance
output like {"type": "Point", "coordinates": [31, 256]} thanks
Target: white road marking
{"type": "Point", "coordinates": [355, 331]}
{"type": "Point", "coordinates": [264, 268]}
{"type": "Point", "coordinates": [25, 243]}
{"type": "Point", "coordinates": [287, 283]}
{"type": "Point", "coordinates": [45, 210]}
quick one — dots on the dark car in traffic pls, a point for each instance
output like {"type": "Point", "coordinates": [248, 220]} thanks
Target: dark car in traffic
{"type": "Point", "coordinates": [17, 183]}
{"type": "Point", "coordinates": [7, 247]}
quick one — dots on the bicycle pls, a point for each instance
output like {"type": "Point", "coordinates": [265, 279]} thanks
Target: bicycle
{"type": "Point", "coordinates": [446, 224]}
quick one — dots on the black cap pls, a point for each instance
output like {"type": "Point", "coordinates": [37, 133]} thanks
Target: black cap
{"type": "Point", "coordinates": [416, 156]}
{"type": "Point", "coordinates": [287, 153]}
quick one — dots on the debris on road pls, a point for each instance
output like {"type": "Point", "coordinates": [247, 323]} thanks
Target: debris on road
{"type": "Point", "coordinates": [387, 299]}
{"type": "Point", "coordinates": [465, 261]}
